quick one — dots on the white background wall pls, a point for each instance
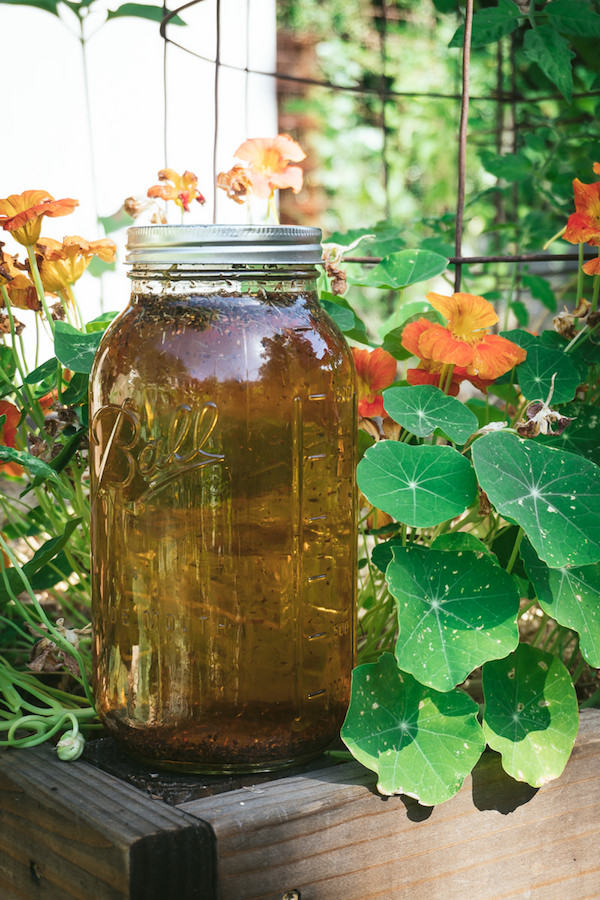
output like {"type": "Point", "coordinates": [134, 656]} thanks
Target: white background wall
{"type": "Point", "coordinates": [45, 138]}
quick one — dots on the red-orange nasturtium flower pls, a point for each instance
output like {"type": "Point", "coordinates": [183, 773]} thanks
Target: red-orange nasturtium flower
{"type": "Point", "coordinates": [375, 370]}
{"type": "Point", "coordinates": [583, 226]}
{"type": "Point", "coordinates": [62, 264]}
{"type": "Point", "coordinates": [19, 287]}
{"type": "Point", "coordinates": [182, 189]}
{"type": "Point", "coordinates": [465, 341]}
{"type": "Point", "coordinates": [8, 434]}
{"type": "Point", "coordinates": [269, 164]}
{"type": "Point", "coordinates": [22, 214]}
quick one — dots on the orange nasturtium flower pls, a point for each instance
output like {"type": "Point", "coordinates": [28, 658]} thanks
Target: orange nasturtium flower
{"type": "Point", "coordinates": [22, 214]}
{"type": "Point", "coordinates": [8, 434]}
{"type": "Point", "coordinates": [182, 189]}
{"type": "Point", "coordinates": [268, 162]}
{"type": "Point", "coordinates": [62, 264]}
{"type": "Point", "coordinates": [19, 287]}
{"type": "Point", "coordinates": [375, 370]}
{"type": "Point", "coordinates": [465, 341]}
{"type": "Point", "coordinates": [583, 226]}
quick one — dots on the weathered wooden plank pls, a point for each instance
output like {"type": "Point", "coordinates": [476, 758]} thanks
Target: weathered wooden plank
{"type": "Point", "coordinates": [68, 830]}
{"type": "Point", "coordinates": [331, 837]}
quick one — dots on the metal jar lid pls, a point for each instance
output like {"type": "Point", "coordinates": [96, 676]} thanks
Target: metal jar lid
{"type": "Point", "coordinates": [224, 244]}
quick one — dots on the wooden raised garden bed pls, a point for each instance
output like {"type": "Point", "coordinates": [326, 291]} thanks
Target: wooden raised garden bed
{"type": "Point", "coordinates": [74, 830]}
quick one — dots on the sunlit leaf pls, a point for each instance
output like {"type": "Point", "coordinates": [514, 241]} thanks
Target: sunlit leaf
{"type": "Point", "coordinates": [553, 495]}
{"type": "Point", "coordinates": [418, 485]}
{"type": "Point", "coordinates": [490, 24]}
{"type": "Point", "coordinates": [571, 595]}
{"type": "Point", "coordinates": [141, 11]}
{"type": "Point", "coordinates": [455, 611]}
{"type": "Point", "coordinates": [35, 467]}
{"type": "Point", "coordinates": [421, 409]}
{"type": "Point", "coordinates": [419, 742]}
{"type": "Point", "coordinates": [401, 269]}
{"type": "Point", "coordinates": [530, 715]}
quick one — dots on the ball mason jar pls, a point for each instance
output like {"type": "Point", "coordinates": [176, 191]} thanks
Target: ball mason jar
{"type": "Point", "coordinates": [223, 444]}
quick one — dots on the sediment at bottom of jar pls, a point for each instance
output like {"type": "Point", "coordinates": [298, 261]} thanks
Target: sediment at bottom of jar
{"type": "Point", "coordinates": [228, 748]}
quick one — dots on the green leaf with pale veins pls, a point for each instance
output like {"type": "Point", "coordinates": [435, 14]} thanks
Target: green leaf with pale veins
{"type": "Point", "coordinates": [571, 595]}
{"type": "Point", "coordinates": [531, 716]}
{"type": "Point", "coordinates": [418, 485]}
{"type": "Point", "coordinates": [546, 369]}
{"type": "Point", "coordinates": [399, 270]}
{"type": "Point", "coordinates": [421, 409]}
{"type": "Point", "coordinates": [582, 435]}
{"type": "Point", "coordinates": [75, 350]}
{"type": "Point", "coordinates": [463, 540]}
{"type": "Point", "coordinates": [553, 495]}
{"type": "Point", "coordinates": [549, 49]}
{"type": "Point", "coordinates": [419, 742]}
{"type": "Point", "coordinates": [456, 610]}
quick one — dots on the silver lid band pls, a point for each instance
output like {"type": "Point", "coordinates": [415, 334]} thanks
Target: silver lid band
{"type": "Point", "coordinates": [224, 244]}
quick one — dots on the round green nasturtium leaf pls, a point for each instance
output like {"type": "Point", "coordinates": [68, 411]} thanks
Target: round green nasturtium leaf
{"type": "Point", "coordinates": [455, 611]}
{"type": "Point", "coordinates": [531, 716]}
{"type": "Point", "coordinates": [582, 435]}
{"type": "Point", "coordinates": [571, 595]}
{"type": "Point", "coordinates": [419, 485]}
{"type": "Point", "coordinates": [399, 270]}
{"type": "Point", "coordinates": [423, 408]}
{"type": "Point", "coordinates": [382, 554]}
{"type": "Point", "coordinates": [543, 364]}
{"type": "Point", "coordinates": [420, 742]}
{"type": "Point", "coordinates": [554, 496]}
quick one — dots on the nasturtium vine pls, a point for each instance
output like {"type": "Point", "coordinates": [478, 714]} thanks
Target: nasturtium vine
{"type": "Point", "coordinates": [420, 742]}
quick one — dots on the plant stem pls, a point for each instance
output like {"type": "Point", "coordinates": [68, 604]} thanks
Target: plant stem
{"type": "Point", "coordinates": [515, 551]}
{"type": "Point", "coordinates": [35, 274]}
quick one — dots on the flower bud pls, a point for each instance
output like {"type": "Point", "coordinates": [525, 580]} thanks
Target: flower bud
{"type": "Point", "coordinates": [70, 746]}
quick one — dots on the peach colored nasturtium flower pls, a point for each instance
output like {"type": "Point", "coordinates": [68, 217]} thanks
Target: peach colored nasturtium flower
{"type": "Point", "coordinates": [375, 370]}
{"type": "Point", "coordinates": [182, 189]}
{"type": "Point", "coordinates": [22, 214]}
{"type": "Point", "coordinates": [268, 164]}
{"type": "Point", "coordinates": [62, 264]}
{"type": "Point", "coordinates": [236, 183]}
{"type": "Point", "coordinates": [465, 341]}
{"type": "Point", "coordinates": [8, 434]}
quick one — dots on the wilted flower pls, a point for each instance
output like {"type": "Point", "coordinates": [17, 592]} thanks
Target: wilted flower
{"type": "Point", "coordinates": [137, 206]}
{"type": "Point", "coordinates": [375, 370]}
{"type": "Point", "coordinates": [19, 287]}
{"type": "Point", "coordinates": [564, 322]}
{"type": "Point", "coordinates": [464, 341]}
{"type": "Point", "coordinates": [181, 189]}
{"type": "Point", "coordinates": [8, 435]}
{"type": "Point", "coordinates": [62, 264]}
{"type": "Point", "coordinates": [22, 214]}
{"type": "Point", "coordinates": [269, 164]}
{"type": "Point", "coordinates": [236, 183]}
{"type": "Point", "coordinates": [47, 656]}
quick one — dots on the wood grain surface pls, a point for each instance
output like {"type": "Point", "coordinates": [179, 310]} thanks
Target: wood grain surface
{"type": "Point", "coordinates": [329, 836]}
{"type": "Point", "coordinates": [68, 830]}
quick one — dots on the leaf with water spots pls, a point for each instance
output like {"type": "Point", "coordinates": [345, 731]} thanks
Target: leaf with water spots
{"type": "Point", "coordinates": [420, 742]}
{"type": "Point", "coordinates": [531, 716]}
{"type": "Point", "coordinates": [553, 495]}
{"type": "Point", "coordinates": [544, 370]}
{"type": "Point", "coordinates": [419, 485]}
{"type": "Point", "coordinates": [571, 595]}
{"type": "Point", "coordinates": [456, 610]}
{"type": "Point", "coordinates": [582, 435]}
{"type": "Point", "coordinates": [422, 409]}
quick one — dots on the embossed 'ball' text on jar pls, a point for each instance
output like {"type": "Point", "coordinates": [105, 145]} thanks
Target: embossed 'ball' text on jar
{"type": "Point", "coordinates": [223, 444]}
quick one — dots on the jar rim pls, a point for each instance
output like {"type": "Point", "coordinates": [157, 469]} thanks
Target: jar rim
{"type": "Point", "coordinates": [224, 244]}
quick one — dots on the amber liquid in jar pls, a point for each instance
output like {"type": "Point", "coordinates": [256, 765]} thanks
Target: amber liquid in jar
{"type": "Point", "coordinates": [223, 524]}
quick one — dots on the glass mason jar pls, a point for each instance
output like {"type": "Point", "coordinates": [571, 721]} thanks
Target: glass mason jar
{"type": "Point", "coordinates": [223, 443]}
